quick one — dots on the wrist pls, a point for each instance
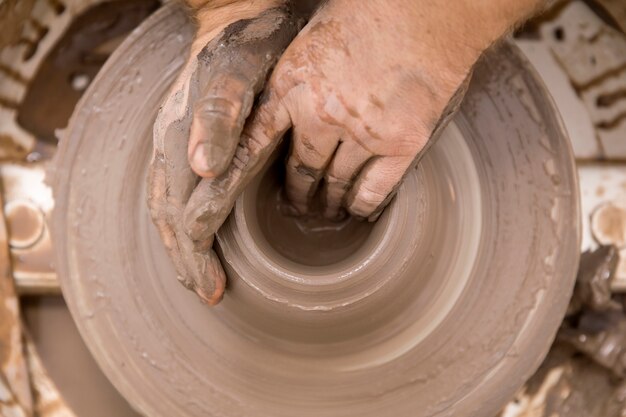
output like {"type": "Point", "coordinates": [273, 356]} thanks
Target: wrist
{"type": "Point", "coordinates": [212, 16]}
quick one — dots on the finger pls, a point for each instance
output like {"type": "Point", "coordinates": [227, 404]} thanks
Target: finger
{"type": "Point", "coordinates": [171, 182]}
{"type": "Point", "coordinates": [233, 68]}
{"type": "Point", "coordinates": [203, 270]}
{"type": "Point", "coordinates": [167, 193]}
{"type": "Point", "coordinates": [171, 177]}
{"type": "Point", "coordinates": [376, 185]}
{"type": "Point", "coordinates": [213, 198]}
{"type": "Point", "coordinates": [379, 179]}
{"type": "Point", "coordinates": [218, 119]}
{"type": "Point", "coordinates": [158, 204]}
{"type": "Point", "coordinates": [312, 149]}
{"type": "Point", "coordinates": [341, 172]}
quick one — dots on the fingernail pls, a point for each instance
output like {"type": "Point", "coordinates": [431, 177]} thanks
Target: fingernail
{"type": "Point", "coordinates": [200, 162]}
{"type": "Point", "coordinates": [210, 300]}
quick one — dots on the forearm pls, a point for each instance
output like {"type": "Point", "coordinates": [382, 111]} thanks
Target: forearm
{"type": "Point", "coordinates": [495, 18]}
{"type": "Point", "coordinates": [471, 26]}
{"type": "Point", "coordinates": [444, 32]}
{"type": "Point", "coordinates": [489, 19]}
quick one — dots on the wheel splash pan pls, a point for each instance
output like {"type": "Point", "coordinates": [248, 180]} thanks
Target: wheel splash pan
{"type": "Point", "coordinates": [468, 272]}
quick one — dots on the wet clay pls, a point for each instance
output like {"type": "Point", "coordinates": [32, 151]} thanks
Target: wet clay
{"type": "Point", "coordinates": [445, 308]}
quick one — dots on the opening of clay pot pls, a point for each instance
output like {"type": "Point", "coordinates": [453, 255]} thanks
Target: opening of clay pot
{"type": "Point", "coordinates": [310, 240]}
{"type": "Point", "coordinates": [278, 263]}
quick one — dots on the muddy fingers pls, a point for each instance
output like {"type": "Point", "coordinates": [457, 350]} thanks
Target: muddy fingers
{"type": "Point", "coordinates": [233, 69]}
{"type": "Point", "coordinates": [199, 271]}
{"type": "Point", "coordinates": [197, 132]}
{"type": "Point", "coordinates": [213, 198]}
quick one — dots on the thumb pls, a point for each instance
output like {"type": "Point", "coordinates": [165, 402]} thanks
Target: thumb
{"type": "Point", "coordinates": [213, 198]}
{"type": "Point", "coordinates": [234, 73]}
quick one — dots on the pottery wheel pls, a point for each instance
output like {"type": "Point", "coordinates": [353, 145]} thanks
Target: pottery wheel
{"type": "Point", "coordinates": [443, 308]}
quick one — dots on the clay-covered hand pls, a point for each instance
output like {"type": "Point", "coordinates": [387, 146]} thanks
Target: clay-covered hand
{"type": "Point", "coordinates": [363, 86]}
{"type": "Point", "coordinates": [237, 45]}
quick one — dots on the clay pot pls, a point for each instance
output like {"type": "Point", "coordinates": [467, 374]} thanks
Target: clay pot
{"type": "Point", "coordinates": [443, 307]}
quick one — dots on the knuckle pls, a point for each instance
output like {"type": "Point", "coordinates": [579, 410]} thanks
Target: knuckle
{"type": "Point", "coordinates": [288, 75]}
{"type": "Point", "coordinates": [197, 219]}
{"type": "Point", "coordinates": [221, 108]}
{"type": "Point", "coordinates": [254, 143]}
{"type": "Point", "coordinates": [371, 193]}
{"type": "Point", "coordinates": [283, 82]}
{"type": "Point", "coordinates": [410, 144]}
{"type": "Point", "coordinates": [168, 237]}
{"type": "Point", "coordinates": [366, 200]}
{"type": "Point", "coordinates": [336, 182]}
{"type": "Point", "coordinates": [301, 174]}
{"type": "Point", "coordinates": [186, 282]}
{"type": "Point", "coordinates": [193, 228]}
{"type": "Point", "coordinates": [244, 160]}
{"type": "Point", "coordinates": [296, 166]}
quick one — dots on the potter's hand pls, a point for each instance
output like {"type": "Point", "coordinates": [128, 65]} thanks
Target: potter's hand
{"type": "Point", "coordinates": [364, 86]}
{"type": "Point", "coordinates": [230, 61]}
